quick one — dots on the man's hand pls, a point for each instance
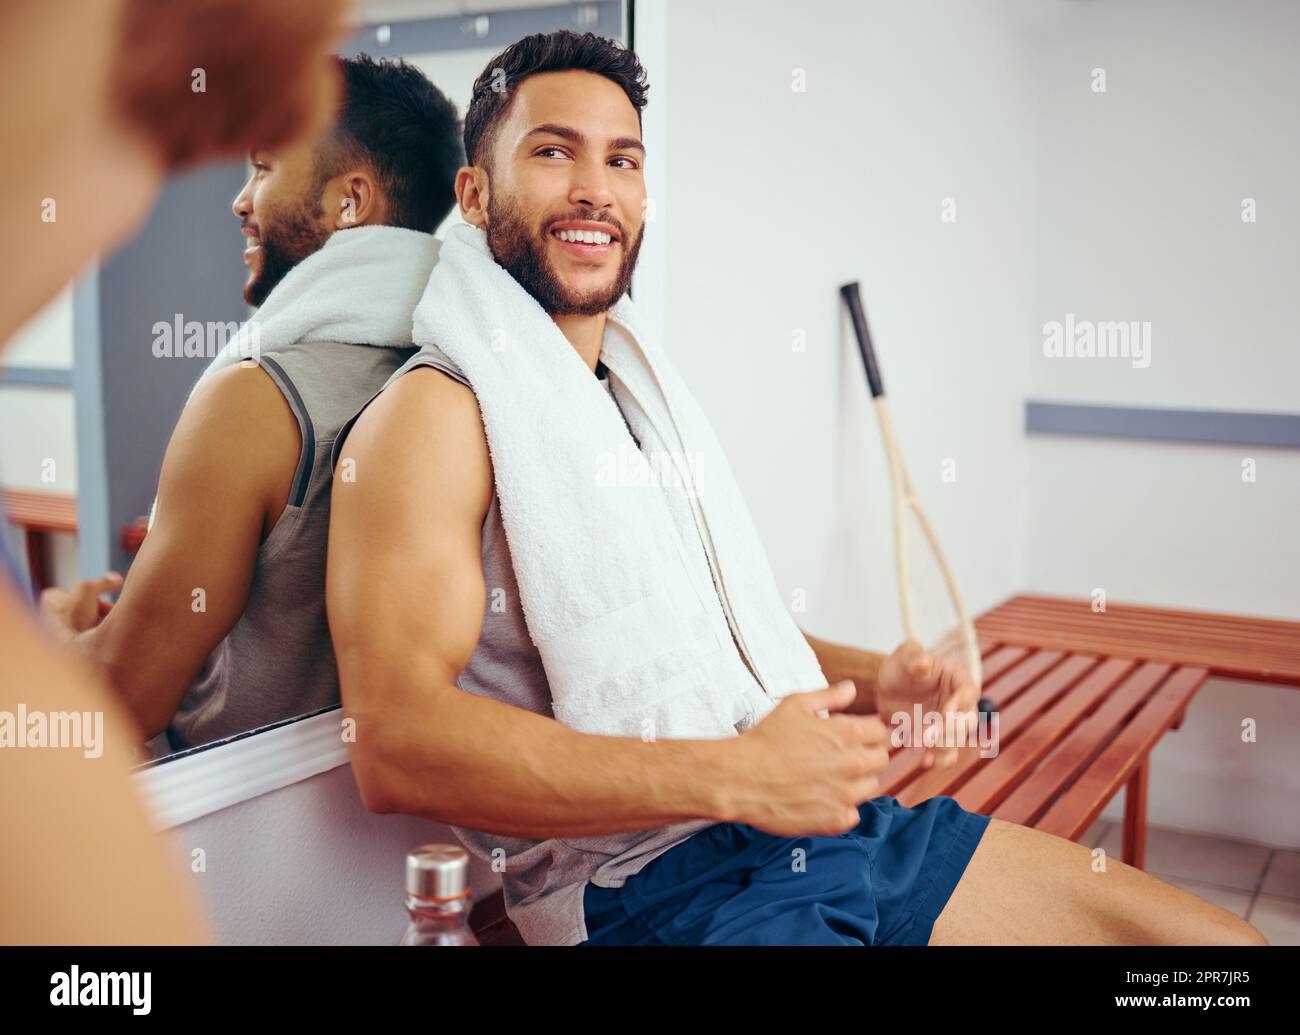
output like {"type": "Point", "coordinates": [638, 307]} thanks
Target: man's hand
{"type": "Point", "coordinates": [68, 612]}
{"type": "Point", "coordinates": [910, 675]}
{"type": "Point", "coordinates": [805, 774]}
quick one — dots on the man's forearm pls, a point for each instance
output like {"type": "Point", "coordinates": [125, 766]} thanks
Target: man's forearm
{"type": "Point", "coordinates": [479, 763]}
{"type": "Point", "coordinates": [88, 647]}
{"type": "Point", "coordinates": [839, 662]}
{"type": "Point", "coordinates": [149, 682]}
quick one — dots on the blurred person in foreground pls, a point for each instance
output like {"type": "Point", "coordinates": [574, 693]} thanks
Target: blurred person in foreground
{"type": "Point", "coordinates": [99, 101]}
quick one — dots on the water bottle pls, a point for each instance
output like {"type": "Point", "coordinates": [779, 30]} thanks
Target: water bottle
{"type": "Point", "coordinates": [437, 896]}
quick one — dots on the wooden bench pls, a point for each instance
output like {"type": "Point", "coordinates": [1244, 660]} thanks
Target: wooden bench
{"type": "Point", "coordinates": [1173, 650]}
{"type": "Point", "coordinates": [1260, 650]}
{"type": "Point", "coordinates": [38, 514]}
{"type": "Point", "coordinates": [1073, 730]}
{"type": "Point", "coordinates": [1082, 699]}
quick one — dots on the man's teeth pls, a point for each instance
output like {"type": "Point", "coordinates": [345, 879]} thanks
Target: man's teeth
{"type": "Point", "coordinates": [584, 236]}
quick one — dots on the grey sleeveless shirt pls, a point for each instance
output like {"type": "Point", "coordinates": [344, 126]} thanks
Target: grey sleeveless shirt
{"type": "Point", "coordinates": [277, 662]}
{"type": "Point", "coordinates": [543, 880]}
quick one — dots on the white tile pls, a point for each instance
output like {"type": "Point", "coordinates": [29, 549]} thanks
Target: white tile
{"type": "Point", "coordinates": [1278, 919]}
{"type": "Point", "coordinates": [1199, 857]}
{"type": "Point", "coordinates": [1282, 878]}
{"type": "Point", "coordinates": [1233, 901]}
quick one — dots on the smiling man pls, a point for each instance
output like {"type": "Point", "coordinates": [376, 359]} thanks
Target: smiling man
{"type": "Point", "coordinates": [691, 832]}
{"type": "Point", "coordinates": [220, 627]}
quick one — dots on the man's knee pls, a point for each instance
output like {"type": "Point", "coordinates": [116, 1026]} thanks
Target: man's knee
{"type": "Point", "coordinates": [1208, 924]}
{"type": "Point", "coordinates": [1142, 909]}
{"type": "Point", "coordinates": [1244, 933]}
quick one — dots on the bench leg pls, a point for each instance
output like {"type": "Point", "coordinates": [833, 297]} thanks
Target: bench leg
{"type": "Point", "coordinates": [36, 566]}
{"type": "Point", "coordinates": [1135, 815]}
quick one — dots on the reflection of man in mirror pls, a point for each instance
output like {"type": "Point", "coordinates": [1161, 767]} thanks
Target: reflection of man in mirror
{"type": "Point", "coordinates": [220, 627]}
{"type": "Point", "coordinates": [602, 681]}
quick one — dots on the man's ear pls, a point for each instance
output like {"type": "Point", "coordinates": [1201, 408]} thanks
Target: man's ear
{"type": "Point", "coordinates": [354, 199]}
{"type": "Point", "coordinates": [472, 195]}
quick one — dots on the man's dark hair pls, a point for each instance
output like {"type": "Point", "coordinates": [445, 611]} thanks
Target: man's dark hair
{"type": "Point", "coordinates": [560, 51]}
{"type": "Point", "coordinates": [405, 130]}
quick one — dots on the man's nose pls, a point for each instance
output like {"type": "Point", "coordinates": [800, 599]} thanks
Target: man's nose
{"type": "Point", "coordinates": [242, 206]}
{"type": "Point", "coordinates": [591, 186]}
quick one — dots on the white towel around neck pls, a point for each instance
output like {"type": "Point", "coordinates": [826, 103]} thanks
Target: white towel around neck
{"type": "Point", "coordinates": [360, 288]}
{"type": "Point", "coordinates": [614, 569]}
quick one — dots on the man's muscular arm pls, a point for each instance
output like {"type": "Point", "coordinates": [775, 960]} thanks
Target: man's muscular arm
{"type": "Point", "coordinates": [405, 597]}
{"type": "Point", "coordinates": [216, 503]}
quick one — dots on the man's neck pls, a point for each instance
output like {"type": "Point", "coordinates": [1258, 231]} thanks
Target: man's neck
{"type": "Point", "coordinates": [585, 334]}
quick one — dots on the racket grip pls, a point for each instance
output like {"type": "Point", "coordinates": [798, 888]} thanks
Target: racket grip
{"type": "Point", "coordinates": [853, 299]}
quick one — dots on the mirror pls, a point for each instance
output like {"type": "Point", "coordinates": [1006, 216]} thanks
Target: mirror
{"type": "Point", "coordinates": [96, 384]}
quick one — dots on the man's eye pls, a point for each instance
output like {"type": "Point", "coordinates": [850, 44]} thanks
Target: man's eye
{"type": "Point", "coordinates": [544, 150]}
{"type": "Point", "coordinates": [631, 162]}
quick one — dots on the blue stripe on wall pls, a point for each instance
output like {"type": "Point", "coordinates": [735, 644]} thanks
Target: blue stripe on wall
{"type": "Point", "coordinates": [1222, 427]}
{"type": "Point", "coordinates": [38, 377]}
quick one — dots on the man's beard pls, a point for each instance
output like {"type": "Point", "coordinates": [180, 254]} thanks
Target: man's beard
{"type": "Point", "coordinates": [522, 253]}
{"type": "Point", "coordinates": [294, 235]}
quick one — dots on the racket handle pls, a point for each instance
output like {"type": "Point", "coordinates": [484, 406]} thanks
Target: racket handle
{"type": "Point", "coordinates": [853, 299]}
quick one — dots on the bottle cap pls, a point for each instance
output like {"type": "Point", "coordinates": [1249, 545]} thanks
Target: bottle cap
{"type": "Point", "coordinates": [437, 872]}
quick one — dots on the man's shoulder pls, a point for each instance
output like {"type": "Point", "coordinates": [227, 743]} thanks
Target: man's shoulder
{"type": "Point", "coordinates": [238, 393]}
{"type": "Point", "coordinates": [432, 357]}
{"type": "Point", "coordinates": [425, 435]}
{"type": "Point", "coordinates": [421, 405]}
{"type": "Point", "coordinates": [240, 403]}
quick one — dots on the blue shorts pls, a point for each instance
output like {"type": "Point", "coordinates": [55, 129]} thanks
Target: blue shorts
{"type": "Point", "coordinates": [882, 883]}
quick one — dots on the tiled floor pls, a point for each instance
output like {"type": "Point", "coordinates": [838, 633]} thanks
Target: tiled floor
{"type": "Point", "coordinates": [1259, 883]}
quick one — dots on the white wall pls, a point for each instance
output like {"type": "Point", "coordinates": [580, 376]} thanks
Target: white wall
{"type": "Point", "coordinates": [46, 339]}
{"type": "Point", "coordinates": [1117, 206]}
{"type": "Point", "coordinates": [37, 434]}
{"type": "Point", "coordinates": [38, 425]}
{"type": "Point", "coordinates": [772, 198]}
{"type": "Point", "coordinates": [1138, 204]}
{"type": "Point", "coordinates": [308, 865]}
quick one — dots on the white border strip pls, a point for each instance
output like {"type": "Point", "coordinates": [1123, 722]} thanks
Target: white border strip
{"type": "Point", "coordinates": [219, 777]}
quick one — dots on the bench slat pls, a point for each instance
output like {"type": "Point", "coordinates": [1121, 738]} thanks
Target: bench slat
{"type": "Point", "coordinates": [1213, 619]}
{"type": "Point", "coordinates": [1143, 641]}
{"type": "Point", "coordinates": [999, 777]}
{"type": "Point", "coordinates": [40, 511]}
{"type": "Point", "coordinates": [1073, 754]}
{"type": "Point", "coordinates": [1016, 713]}
{"type": "Point", "coordinates": [905, 763]}
{"type": "Point", "coordinates": [1076, 809]}
{"type": "Point", "coordinates": [1141, 628]}
{"type": "Point", "coordinates": [1234, 646]}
